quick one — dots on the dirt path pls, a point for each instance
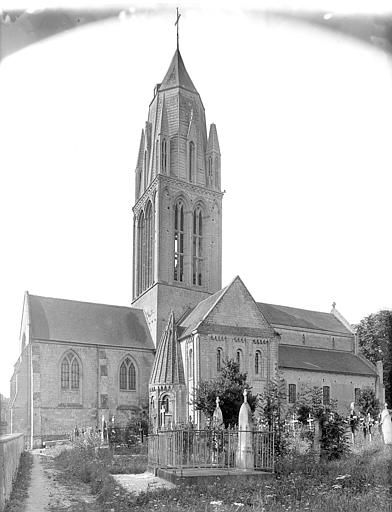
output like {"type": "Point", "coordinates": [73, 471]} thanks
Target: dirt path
{"type": "Point", "coordinates": [46, 493]}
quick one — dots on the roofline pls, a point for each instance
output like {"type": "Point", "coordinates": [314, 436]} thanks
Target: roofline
{"type": "Point", "coordinates": [292, 307]}
{"type": "Point", "coordinates": [308, 329]}
{"type": "Point", "coordinates": [86, 302]}
{"type": "Point", "coordinates": [86, 343]}
{"type": "Point", "coordinates": [322, 370]}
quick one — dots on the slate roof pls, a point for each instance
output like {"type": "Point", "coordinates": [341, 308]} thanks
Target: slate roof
{"type": "Point", "coordinates": [198, 313]}
{"type": "Point", "coordinates": [302, 358]}
{"type": "Point", "coordinates": [86, 322]}
{"type": "Point", "coordinates": [302, 318]}
{"type": "Point", "coordinates": [168, 366]}
{"type": "Point", "coordinates": [177, 75]}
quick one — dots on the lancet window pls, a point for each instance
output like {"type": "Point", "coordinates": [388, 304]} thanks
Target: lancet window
{"type": "Point", "coordinates": [164, 156]}
{"type": "Point", "coordinates": [127, 375]}
{"type": "Point", "coordinates": [191, 162]}
{"type": "Point", "coordinates": [219, 354]}
{"type": "Point", "coordinates": [197, 247]}
{"type": "Point", "coordinates": [70, 372]}
{"type": "Point", "coordinates": [179, 236]}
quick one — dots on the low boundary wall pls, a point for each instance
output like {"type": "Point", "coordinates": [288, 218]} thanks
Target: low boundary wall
{"type": "Point", "coordinates": [11, 447]}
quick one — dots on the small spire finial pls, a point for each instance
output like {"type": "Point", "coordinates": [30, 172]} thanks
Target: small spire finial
{"type": "Point", "coordinates": [217, 401]}
{"type": "Point", "coordinates": [245, 395]}
{"type": "Point", "coordinates": [333, 304]}
{"type": "Point", "coordinates": [177, 24]}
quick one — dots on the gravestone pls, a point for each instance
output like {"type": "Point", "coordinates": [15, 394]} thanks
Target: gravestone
{"type": "Point", "coordinates": [245, 455]}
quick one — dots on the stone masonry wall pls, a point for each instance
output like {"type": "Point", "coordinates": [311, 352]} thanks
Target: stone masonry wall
{"type": "Point", "coordinates": [314, 339]}
{"type": "Point", "coordinates": [341, 386]}
{"type": "Point", "coordinates": [11, 447]}
{"type": "Point", "coordinates": [57, 412]}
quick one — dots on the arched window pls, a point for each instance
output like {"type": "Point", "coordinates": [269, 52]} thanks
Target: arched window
{"type": "Point", "coordinates": [149, 245]}
{"type": "Point", "coordinates": [140, 253]}
{"type": "Point", "coordinates": [190, 361]}
{"type": "Point", "coordinates": [179, 235]}
{"type": "Point", "coordinates": [164, 156]}
{"type": "Point", "coordinates": [127, 375]}
{"type": "Point", "coordinates": [70, 372]}
{"type": "Point", "coordinates": [197, 247]}
{"type": "Point", "coordinates": [239, 358]}
{"type": "Point", "coordinates": [165, 403]}
{"type": "Point", "coordinates": [258, 363]}
{"type": "Point", "coordinates": [191, 162]}
{"type": "Point", "coordinates": [219, 360]}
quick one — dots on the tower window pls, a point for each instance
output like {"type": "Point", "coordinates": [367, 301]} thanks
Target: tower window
{"type": "Point", "coordinates": [179, 235]}
{"type": "Point", "coordinates": [164, 156]}
{"type": "Point", "coordinates": [191, 163]}
{"type": "Point", "coordinates": [197, 247]}
{"type": "Point", "coordinates": [209, 170]}
{"type": "Point", "coordinates": [190, 361]}
{"type": "Point", "coordinates": [70, 374]}
{"type": "Point", "coordinates": [219, 360]}
{"type": "Point", "coordinates": [149, 247]}
{"type": "Point", "coordinates": [292, 393]}
{"type": "Point", "coordinates": [127, 375]}
{"type": "Point", "coordinates": [141, 250]}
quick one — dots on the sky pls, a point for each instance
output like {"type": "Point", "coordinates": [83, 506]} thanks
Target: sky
{"type": "Point", "coordinates": [303, 118]}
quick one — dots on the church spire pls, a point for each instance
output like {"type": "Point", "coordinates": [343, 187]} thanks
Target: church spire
{"type": "Point", "coordinates": [177, 75]}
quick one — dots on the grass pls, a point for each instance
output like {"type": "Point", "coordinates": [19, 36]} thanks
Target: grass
{"type": "Point", "coordinates": [360, 483]}
{"type": "Point", "coordinates": [21, 484]}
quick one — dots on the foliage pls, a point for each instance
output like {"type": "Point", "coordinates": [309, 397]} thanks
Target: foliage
{"type": "Point", "coordinates": [368, 403]}
{"type": "Point", "coordinates": [334, 441]}
{"type": "Point", "coordinates": [229, 386]}
{"type": "Point", "coordinates": [310, 401]}
{"type": "Point", "coordinates": [375, 341]}
{"type": "Point", "coordinates": [270, 410]}
{"type": "Point", "coordinates": [357, 483]}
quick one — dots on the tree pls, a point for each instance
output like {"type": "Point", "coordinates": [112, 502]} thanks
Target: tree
{"type": "Point", "coordinates": [271, 409]}
{"type": "Point", "coordinates": [229, 385]}
{"type": "Point", "coordinates": [310, 401]}
{"type": "Point", "coordinates": [375, 341]}
{"type": "Point", "coordinates": [368, 403]}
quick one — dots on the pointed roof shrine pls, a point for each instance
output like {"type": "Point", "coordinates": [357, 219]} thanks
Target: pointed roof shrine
{"type": "Point", "coordinates": [177, 75]}
{"type": "Point", "coordinates": [168, 367]}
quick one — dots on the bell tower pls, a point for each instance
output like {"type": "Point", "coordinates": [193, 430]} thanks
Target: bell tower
{"type": "Point", "coordinates": [177, 229]}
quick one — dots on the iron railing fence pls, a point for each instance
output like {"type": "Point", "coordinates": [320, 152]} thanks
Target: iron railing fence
{"type": "Point", "coordinates": [191, 449]}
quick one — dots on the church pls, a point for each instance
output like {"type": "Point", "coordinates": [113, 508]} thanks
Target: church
{"type": "Point", "coordinates": [82, 361]}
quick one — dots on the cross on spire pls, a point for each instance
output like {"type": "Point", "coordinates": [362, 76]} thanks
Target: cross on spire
{"type": "Point", "coordinates": [177, 25]}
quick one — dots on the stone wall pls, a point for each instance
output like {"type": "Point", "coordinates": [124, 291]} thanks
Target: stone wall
{"type": "Point", "coordinates": [314, 339]}
{"type": "Point", "coordinates": [11, 447]}
{"type": "Point", "coordinates": [341, 386]}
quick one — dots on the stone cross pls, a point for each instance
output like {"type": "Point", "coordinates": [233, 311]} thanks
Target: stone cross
{"type": "Point", "coordinates": [310, 421]}
{"type": "Point", "coordinates": [177, 25]}
{"type": "Point", "coordinates": [245, 395]}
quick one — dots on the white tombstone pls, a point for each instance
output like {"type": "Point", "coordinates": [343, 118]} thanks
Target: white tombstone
{"type": "Point", "coordinates": [217, 417]}
{"type": "Point", "coordinates": [386, 425]}
{"type": "Point", "coordinates": [245, 454]}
